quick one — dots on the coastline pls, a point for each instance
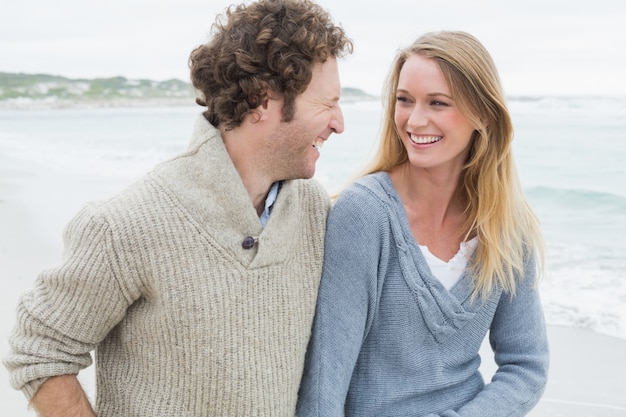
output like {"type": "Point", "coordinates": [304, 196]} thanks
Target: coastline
{"type": "Point", "coordinates": [587, 368]}
{"type": "Point", "coordinates": [26, 104]}
{"type": "Point", "coordinates": [56, 103]}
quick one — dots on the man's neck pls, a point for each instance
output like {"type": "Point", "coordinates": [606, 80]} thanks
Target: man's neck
{"type": "Point", "coordinates": [241, 152]}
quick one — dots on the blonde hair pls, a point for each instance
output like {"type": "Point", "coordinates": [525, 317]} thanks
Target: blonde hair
{"type": "Point", "coordinates": [497, 211]}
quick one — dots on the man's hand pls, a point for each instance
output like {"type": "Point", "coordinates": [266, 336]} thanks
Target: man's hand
{"type": "Point", "coordinates": [62, 396]}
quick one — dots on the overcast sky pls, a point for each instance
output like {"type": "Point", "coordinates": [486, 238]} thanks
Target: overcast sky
{"type": "Point", "coordinates": [541, 47]}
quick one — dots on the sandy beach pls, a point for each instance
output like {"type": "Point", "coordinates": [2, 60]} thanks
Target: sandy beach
{"type": "Point", "coordinates": [588, 370]}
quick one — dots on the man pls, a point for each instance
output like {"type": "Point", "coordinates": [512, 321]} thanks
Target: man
{"type": "Point", "coordinates": [196, 286]}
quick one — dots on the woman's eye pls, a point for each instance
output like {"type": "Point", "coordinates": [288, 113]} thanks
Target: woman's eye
{"type": "Point", "coordinates": [403, 99]}
{"type": "Point", "coordinates": [438, 103]}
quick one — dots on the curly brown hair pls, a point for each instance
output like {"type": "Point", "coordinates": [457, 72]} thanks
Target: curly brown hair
{"type": "Point", "coordinates": [269, 45]}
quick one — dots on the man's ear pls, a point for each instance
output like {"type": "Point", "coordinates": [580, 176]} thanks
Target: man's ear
{"type": "Point", "coordinates": [261, 113]}
{"type": "Point", "coordinates": [270, 106]}
{"type": "Point", "coordinates": [255, 115]}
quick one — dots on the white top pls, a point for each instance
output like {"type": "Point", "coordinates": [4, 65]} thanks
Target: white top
{"type": "Point", "coordinates": [450, 272]}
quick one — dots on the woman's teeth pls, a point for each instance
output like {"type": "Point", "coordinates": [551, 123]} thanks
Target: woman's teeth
{"type": "Point", "coordinates": [424, 139]}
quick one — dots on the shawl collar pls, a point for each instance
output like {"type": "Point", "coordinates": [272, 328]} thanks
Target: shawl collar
{"type": "Point", "coordinates": [205, 185]}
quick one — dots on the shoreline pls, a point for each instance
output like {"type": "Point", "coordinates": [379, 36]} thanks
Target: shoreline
{"type": "Point", "coordinates": [54, 103]}
{"type": "Point", "coordinates": [26, 104]}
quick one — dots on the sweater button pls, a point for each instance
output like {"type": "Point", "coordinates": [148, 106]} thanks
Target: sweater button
{"type": "Point", "coordinates": [248, 242]}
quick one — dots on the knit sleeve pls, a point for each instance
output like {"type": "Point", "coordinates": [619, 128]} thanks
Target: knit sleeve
{"type": "Point", "coordinates": [346, 301]}
{"type": "Point", "coordinates": [518, 338]}
{"type": "Point", "coordinates": [70, 308]}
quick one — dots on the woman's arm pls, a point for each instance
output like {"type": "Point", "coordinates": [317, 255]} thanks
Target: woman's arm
{"type": "Point", "coordinates": [347, 293]}
{"type": "Point", "coordinates": [520, 345]}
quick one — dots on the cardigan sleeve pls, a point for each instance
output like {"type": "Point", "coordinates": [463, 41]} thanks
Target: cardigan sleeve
{"type": "Point", "coordinates": [346, 301]}
{"type": "Point", "coordinates": [70, 309]}
{"type": "Point", "coordinates": [519, 341]}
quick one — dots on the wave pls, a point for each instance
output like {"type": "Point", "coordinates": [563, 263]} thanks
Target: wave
{"type": "Point", "coordinates": [569, 102]}
{"type": "Point", "coordinates": [577, 198]}
{"type": "Point", "coordinates": [609, 110]}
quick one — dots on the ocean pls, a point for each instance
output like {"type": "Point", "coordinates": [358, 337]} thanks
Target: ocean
{"type": "Point", "coordinates": [570, 152]}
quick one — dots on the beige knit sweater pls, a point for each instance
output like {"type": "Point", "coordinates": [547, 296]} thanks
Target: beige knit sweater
{"type": "Point", "coordinates": [184, 321]}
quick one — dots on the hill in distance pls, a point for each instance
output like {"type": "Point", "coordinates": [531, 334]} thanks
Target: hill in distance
{"type": "Point", "coordinates": [19, 90]}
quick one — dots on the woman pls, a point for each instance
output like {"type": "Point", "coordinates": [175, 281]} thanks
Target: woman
{"type": "Point", "coordinates": [428, 253]}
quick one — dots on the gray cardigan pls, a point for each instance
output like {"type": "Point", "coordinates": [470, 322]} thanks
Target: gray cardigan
{"type": "Point", "coordinates": [184, 321]}
{"type": "Point", "coordinates": [390, 340]}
